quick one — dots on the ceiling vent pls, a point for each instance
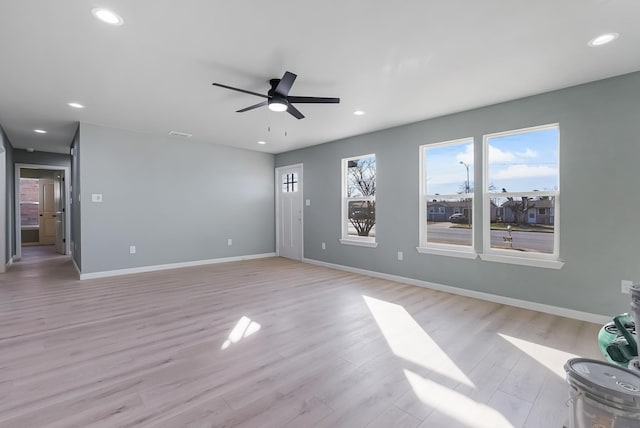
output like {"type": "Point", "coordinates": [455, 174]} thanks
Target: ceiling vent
{"type": "Point", "coordinates": [180, 134]}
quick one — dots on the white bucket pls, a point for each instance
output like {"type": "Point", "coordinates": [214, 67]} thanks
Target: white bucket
{"type": "Point", "coordinates": [602, 395]}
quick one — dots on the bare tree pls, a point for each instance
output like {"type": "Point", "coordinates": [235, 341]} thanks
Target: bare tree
{"type": "Point", "coordinates": [361, 182]}
{"type": "Point", "coordinates": [520, 208]}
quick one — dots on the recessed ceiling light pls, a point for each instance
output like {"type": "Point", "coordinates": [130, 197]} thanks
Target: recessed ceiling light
{"type": "Point", "coordinates": [358, 113]}
{"type": "Point", "coordinates": [108, 16]}
{"type": "Point", "coordinates": [603, 39]}
{"type": "Point", "coordinates": [75, 105]}
{"type": "Point", "coordinates": [180, 134]}
{"type": "Point", "coordinates": [40, 131]}
{"type": "Point", "coordinates": [262, 142]}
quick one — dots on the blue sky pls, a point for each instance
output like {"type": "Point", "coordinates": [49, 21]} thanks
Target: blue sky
{"type": "Point", "coordinates": [518, 163]}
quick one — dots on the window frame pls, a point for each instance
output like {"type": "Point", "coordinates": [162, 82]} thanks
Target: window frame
{"type": "Point", "coordinates": [547, 260]}
{"type": "Point", "coordinates": [345, 238]}
{"type": "Point", "coordinates": [424, 246]}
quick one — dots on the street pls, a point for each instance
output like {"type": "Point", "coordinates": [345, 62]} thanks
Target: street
{"type": "Point", "coordinates": [443, 233]}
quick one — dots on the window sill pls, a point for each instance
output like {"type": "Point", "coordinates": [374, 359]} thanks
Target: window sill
{"type": "Point", "coordinates": [358, 243]}
{"type": "Point", "coordinates": [446, 252]}
{"type": "Point", "coordinates": [548, 264]}
{"type": "Point", "coordinates": [29, 227]}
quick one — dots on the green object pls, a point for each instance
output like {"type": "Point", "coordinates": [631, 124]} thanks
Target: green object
{"type": "Point", "coordinates": [616, 340]}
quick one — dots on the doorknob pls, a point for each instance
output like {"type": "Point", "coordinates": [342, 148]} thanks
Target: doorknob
{"type": "Point", "coordinates": [40, 215]}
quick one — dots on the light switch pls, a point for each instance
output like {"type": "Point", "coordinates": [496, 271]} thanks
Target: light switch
{"type": "Point", "coordinates": [96, 197]}
{"type": "Point", "coordinates": [308, 202]}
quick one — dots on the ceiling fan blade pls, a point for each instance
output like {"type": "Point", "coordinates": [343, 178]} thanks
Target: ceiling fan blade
{"type": "Point", "coordinates": [263, 103]}
{"type": "Point", "coordinates": [285, 84]}
{"type": "Point", "coordinates": [319, 100]}
{"type": "Point", "coordinates": [240, 90]}
{"type": "Point", "coordinates": [295, 112]}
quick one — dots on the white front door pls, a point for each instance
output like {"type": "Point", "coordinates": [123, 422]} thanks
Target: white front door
{"type": "Point", "coordinates": [47, 211]}
{"type": "Point", "coordinates": [60, 220]}
{"type": "Point", "coordinates": [289, 211]}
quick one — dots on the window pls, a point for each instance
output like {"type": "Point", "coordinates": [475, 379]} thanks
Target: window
{"type": "Point", "coordinates": [446, 198]}
{"type": "Point", "coordinates": [359, 200]}
{"type": "Point", "coordinates": [29, 202]}
{"type": "Point", "coordinates": [290, 182]}
{"type": "Point", "coordinates": [521, 180]}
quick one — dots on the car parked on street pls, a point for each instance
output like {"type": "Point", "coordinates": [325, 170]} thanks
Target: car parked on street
{"type": "Point", "coordinates": [458, 218]}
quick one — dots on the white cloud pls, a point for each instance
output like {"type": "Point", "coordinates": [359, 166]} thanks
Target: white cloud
{"type": "Point", "coordinates": [498, 156]}
{"type": "Point", "coordinates": [528, 153]}
{"type": "Point", "coordinates": [525, 171]}
{"type": "Point", "coordinates": [466, 156]}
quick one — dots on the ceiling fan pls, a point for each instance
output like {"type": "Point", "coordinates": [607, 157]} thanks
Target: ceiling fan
{"type": "Point", "coordinates": [278, 98]}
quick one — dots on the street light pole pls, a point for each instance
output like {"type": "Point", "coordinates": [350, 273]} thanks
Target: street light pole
{"type": "Point", "coordinates": [467, 191]}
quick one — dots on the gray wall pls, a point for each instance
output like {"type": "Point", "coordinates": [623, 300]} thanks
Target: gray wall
{"type": "Point", "coordinates": [10, 245]}
{"type": "Point", "coordinates": [175, 200]}
{"type": "Point", "coordinates": [599, 167]}
{"type": "Point", "coordinates": [41, 158]}
{"type": "Point", "coordinates": [76, 217]}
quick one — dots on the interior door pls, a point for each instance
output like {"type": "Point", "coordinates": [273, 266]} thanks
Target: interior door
{"type": "Point", "coordinates": [47, 212]}
{"type": "Point", "coordinates": [289, 211]}
{"type": "Point", "coordinates": [60, 214]}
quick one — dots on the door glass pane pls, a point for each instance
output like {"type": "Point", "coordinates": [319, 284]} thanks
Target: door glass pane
{"type": "Point", "coordinates": [290, 182]}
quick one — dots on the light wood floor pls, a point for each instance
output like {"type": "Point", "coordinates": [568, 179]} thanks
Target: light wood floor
{"type": "Point", "coordinates": [271, 343]}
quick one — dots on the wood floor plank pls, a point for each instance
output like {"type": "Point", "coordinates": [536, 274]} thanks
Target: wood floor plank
{"type": "Point", "coordinates": [270, 342]}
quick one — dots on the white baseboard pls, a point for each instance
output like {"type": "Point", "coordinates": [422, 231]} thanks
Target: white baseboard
{"type": "Point", "coordinates": [104, 274]}
{"type": "Point", "coordinates": [553, 310]}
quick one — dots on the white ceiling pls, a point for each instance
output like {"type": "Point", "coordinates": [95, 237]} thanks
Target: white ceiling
{"type": "Point", "coordinates": [400, 62]}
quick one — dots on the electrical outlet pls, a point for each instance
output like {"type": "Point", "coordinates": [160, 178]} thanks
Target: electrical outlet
{"type": "Point", "coordinates": [625, 286]}
{"type": "Point", "coordinates": [132, 249]}
{"type": "Point", "coordinates": [96, 197]}
{"type": "Point", "coordinates": [400, 256]}
{"type": "Point", "coordinates": [308, 202]}
{"type": "Point", "coordinates": [324, 245]}
{"type": "Point", "coordinates": [229, 242]}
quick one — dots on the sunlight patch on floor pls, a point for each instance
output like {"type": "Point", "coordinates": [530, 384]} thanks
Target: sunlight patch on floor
{"type": "Point", "coordinates": [243, 328]}
{"type": "Point", "coordinates": [409, 341]}
{"type": "Point", "coordinates": [553, 359]}
{"type": "Point", "coordinates": [454, 405]}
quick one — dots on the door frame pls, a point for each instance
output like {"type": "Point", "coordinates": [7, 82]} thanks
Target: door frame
{"type": "Point", "coordinates": [4, 220]}
{"type": "Point", "coordinates": [67, 205]}
{"type": "Point", "coordinates": [277, 190]}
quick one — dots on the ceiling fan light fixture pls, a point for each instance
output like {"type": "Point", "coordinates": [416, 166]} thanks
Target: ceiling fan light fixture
{"type": "Point", "coordinates": [277, 104]}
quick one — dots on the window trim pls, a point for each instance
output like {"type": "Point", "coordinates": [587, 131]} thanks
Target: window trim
{"type": "Point", "coordinates": [548, 260]}
{"type": "Point", "coordinates": [361, 241]}
{"type": "Point", "coordinates": [424, 247]}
